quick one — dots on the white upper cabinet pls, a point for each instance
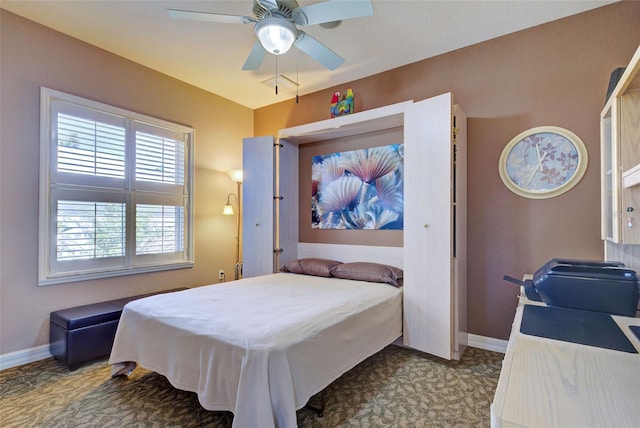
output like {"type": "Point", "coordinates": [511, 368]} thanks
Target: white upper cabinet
{"type": "Point", "coordinates": [620, 153]}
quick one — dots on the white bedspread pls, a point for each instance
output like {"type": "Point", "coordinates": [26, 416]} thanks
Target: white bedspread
{"type": "Point", "coordinates": [259, 347]}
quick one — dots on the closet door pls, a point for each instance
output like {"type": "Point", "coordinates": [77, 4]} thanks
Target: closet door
{"type": "Point", "coordinates": [258, 164]}
{"type": "Point", "coordinates": [428, 230]}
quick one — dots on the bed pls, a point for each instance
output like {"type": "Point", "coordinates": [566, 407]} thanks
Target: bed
{"type": "Point", "coordinates": [259, 347]}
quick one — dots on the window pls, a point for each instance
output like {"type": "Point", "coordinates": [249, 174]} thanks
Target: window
{"type": "Point", "coordinates": [115, 191]}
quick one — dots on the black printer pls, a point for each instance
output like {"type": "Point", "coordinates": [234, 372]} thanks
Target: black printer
{"type": "Point", "coordinates": [586, 284]}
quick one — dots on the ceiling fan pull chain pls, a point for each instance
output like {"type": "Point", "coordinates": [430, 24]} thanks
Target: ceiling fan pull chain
{"type": "Point", "coordinates": [276, 74]}
{"type": "Point", "coordinates": [297, 77]}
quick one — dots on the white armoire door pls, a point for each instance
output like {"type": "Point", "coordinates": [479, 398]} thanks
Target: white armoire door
{"type": "Point", "coordinates": [287, 204]}
{"type": "Point", "coordinates": [258, 164]}
{"type": "Point", "coordinates": [430, 295]}
{"type": "Point", "coordinates": [270, 205]}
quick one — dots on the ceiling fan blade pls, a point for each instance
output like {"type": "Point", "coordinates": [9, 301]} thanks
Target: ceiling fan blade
{"type": "Point", "coordinates": [268, 4]}
{"type": "Point", "coordinates": [332, 10]}
{"type": "Point", "coordinates": [318, 51]}
{"type": "Point", "coordinates": [209, 17]}
{"type": "Point", "coordinates": [255, 58]}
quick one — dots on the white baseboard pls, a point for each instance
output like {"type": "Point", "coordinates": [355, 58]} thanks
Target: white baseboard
{"type": "Point", "coordinates": [25, 356]}
{"type": "Point", "coordinates": [488, 343]}
{"type": "Point", "coordinates": [475, 341]}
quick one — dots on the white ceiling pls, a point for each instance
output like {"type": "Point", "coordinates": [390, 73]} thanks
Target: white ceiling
{"type": "Point", "coordinates": [210, 55]}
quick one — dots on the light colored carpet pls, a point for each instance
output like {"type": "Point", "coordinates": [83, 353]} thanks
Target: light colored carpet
{"type": "Point", "coordinates": [397, 387]}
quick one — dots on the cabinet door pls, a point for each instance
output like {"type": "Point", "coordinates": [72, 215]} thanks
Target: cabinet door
{"type": "Point", "coordinates": [609, 228]}
{"type": "Point", "coordinates": [287, 206]}
{"type": "Point", "coordinates": [620, 204]}
{"type": "Point", "coordinates": [258, 163]}
{"type": "Point", "coordinates": [428, 230]}
{"type": "Point", "coordinates": [630, 162]}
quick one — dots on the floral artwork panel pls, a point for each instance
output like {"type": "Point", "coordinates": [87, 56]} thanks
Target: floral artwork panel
{"type": "Point", "coordinates": [542, 161]}
{"type": "Point", "coordinates": [358, 189]}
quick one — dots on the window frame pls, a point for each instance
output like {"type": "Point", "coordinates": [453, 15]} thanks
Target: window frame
{"type": "Point", "coordinates": [53, 184]}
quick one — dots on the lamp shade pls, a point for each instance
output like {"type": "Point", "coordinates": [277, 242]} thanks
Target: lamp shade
{"type": "Point", "coordinates": [276, 34]}
{"type": "Point", "coordinates": [228, 210]}
{"type": "Point", "coordinates": [236, 175]}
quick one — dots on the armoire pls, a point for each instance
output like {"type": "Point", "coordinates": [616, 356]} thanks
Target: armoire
{"type": "Point", "coordinates": [434, 236]}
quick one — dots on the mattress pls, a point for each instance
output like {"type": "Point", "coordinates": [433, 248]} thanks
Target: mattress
{"type": "Point", "coordinates": [259, 347]}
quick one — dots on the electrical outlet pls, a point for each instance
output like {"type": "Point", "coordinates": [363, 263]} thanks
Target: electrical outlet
{"type": "Point", "coordinates": [221, 274]}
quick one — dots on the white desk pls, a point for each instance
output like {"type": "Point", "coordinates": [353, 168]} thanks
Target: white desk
{"type": "Point", "coordinates": [550, 383]}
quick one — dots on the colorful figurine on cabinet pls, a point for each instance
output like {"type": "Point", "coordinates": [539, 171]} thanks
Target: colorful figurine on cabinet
{"type": "Point", "coordinates": [342, 104]}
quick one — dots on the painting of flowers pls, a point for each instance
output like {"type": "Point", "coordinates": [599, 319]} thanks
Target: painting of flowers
{"type": "Point", "coordinates": [358, 189]}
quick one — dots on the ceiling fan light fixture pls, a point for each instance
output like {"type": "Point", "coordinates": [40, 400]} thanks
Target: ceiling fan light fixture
{"type": "Point", "coordinates": [276, 34]}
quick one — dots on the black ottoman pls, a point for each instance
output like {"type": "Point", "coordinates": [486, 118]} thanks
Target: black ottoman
{"type": "Point", "coordinates": [85, 333]}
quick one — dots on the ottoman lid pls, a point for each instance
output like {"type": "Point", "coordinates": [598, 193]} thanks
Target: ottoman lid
{"type": "Point", "coordinates": [82, 316]}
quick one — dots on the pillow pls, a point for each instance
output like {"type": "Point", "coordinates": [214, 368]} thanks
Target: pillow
{"type": "Point", "coordinates": [293, 266]}
{"type": "Point", "coordinates": [310, 266]}
{"type": "Point", "coordinates": [366, 271]}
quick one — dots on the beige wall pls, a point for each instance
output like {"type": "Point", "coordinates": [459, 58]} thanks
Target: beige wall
{"type": "Point", "coordinates": [555, 74]}
{"type": "Point", "coordinates": [32, 56]}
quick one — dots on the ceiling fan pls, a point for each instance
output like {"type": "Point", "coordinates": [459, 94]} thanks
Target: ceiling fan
{"type": "Point", "coordinates": [276, 26]}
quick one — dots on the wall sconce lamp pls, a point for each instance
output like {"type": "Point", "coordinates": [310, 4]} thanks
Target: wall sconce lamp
{"type": "Point", "coordinates": [228, 208]}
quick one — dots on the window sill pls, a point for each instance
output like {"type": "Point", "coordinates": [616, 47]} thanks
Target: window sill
{"type": "Point", "coordinates": [51, 280]}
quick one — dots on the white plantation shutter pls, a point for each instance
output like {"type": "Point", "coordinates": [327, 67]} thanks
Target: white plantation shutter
{"type": "Point", "coordinates": [159, 229]}
{"type": "Point", "coordinates": [90, 230]}
{"type": "Point", "coordinates": [159, 159]}
{"type": "Point", "coordinates": [90, 147]}
{"type": "Point", "coordinates": [115, 191]}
